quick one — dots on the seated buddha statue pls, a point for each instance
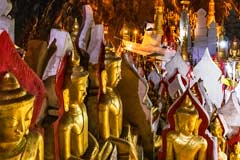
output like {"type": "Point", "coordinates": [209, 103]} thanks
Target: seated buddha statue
{"type": "Point", "coordinates": [73, 126]}
{"type": "Point", "coordinates": [217, 131]}
{"type": "Point", "coordinates": [184, 142]}
{"type": "Point", "coordinates": [236, 154]}
{"type": "Point", "coordinates": [234, 49]}
{"type": "Point", "coordinates": [16, 110]}
{"type": "Point", "coordinates": [110, 106]}
{"type": "Point", "coordinates": [110, 114]}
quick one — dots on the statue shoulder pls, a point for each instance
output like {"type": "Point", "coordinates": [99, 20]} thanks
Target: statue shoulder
{"type": "Point", "coordinates": [106, 99]}
{"type": "Point", "coordinates": [172, 135]}
{"type": "Point", "coordinates": [34, 146]}
{"type": "Point", "coordinates": [202, 141]}
{"type": "Point", "coordinates": [35, 137]}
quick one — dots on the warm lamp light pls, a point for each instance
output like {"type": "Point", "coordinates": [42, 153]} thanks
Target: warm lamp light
{"type": "Point", "coordinates": [135, 35]}
{"type": "Point", "coordinates": [135, 32]}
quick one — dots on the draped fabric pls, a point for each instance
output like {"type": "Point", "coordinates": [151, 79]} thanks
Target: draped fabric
{"type": "Point", "coordinates": [11, 61]}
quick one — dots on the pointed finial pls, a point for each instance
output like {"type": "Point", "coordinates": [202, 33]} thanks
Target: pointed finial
{"type": "Point", "coordinates": [75, 28]}
{"type": "Point", "coordinates": [187, 107]}
{"type": "Point", "coordinates": [8, 82]}
{"type": "Point", "coordinates": [75, 59]}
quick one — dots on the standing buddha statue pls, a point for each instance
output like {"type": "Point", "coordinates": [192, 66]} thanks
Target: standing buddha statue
{"type": "Point", "coordinates": [16, 110]}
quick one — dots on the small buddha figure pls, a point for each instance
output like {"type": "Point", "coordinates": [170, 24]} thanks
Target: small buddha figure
{"type": "Point", "coordinates": [217, 131]}
{"type": "Point", "coordinates": [236, 154]}
{"type": "Point", "coordinates": [184, 142]}
{"type": "Point", "coordinates": [16, 110]}
{"type": "Point", "coordinates": [110, 106]}
{"type": "Point", "coordinates": [234, 49]}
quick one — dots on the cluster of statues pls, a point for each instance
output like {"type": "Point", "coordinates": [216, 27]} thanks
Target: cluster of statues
{"type": "Point", "coordinates": [77, 110]}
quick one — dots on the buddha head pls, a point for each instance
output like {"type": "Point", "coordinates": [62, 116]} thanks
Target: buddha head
{"type": "Point", "coordinates": [237, 148]}
{"type": "Point", "coordinates": [16, 107]}
{"type": "Point", "coordinates": [234, 44]}
{"type": "Point", "coordinates": [79, 84]}
{"type": "Point", "coordinates": [76, 82]}
{"type": "Point", "coordinates": [111, 75]}
{"type": "Point", "coordinates": [187, 118]}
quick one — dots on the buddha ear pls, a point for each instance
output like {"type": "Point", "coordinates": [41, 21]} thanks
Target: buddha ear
{"type": "Point", "coordinates": [197, 125]}
{"type": "Point", "coordinates": [66, 99]}
{"type": "Point", "coordinates": [175, 122]}
{"type": "Point", "coordinates": [104, 80]}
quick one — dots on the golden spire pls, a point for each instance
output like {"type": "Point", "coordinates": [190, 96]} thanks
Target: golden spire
{"type": "Point", "coordinates": [75, 59]}
{"type": "Point", "coordinates": [211, 11]}
{"type": "Point", "coordinates": [187, 107]}
{"type": "Point", "coordinates": [184, 50]}
{"type": "Point", "coordinates": [158, 18]}
{"type": "Point", "coordinates": [185, 4]}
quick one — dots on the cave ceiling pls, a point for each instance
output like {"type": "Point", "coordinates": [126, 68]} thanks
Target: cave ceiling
{"type": "Point", "coordinates": [32, 15]}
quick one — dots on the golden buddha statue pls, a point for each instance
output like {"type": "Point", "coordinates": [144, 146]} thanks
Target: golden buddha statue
{"type": "Point", "coordinates": [236, 154]}
{"type": "Point", "coordinates": [16, 109]}
{"type": "Point", "coordinates": [184, 142]}
{"type": "Point", "coordinates": [234, 49]}
{"type": "Point", "coordinates": [110, 106]}
{"type": "Point", "coordinates": [110, 114]}
{"type": "Point", "coordinates": [73, 126]}
{"type": "Point", "coordinates": [217, 131]}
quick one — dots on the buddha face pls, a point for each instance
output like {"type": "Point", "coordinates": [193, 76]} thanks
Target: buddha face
{"type": "Point", "coordinates": [77, 90]}
{"type": "Point", "coordinates": [216, 128]}
{"type": "Point", "coordinates": [234, 45]}
{"type": "Point", "coordinates": [186, 123]}
{"type": "Point", "coordinates": [81, 87]}
{"type": "Point", "coordinates": [114, 73]}
{"type": "Point", "coordinates": [15, 123]}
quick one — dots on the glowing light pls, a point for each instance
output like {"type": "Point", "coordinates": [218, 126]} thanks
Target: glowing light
{"type": "Point", "coordinates": [223, 44]}
{"type": "Point", "coordinates": [135, 31]}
